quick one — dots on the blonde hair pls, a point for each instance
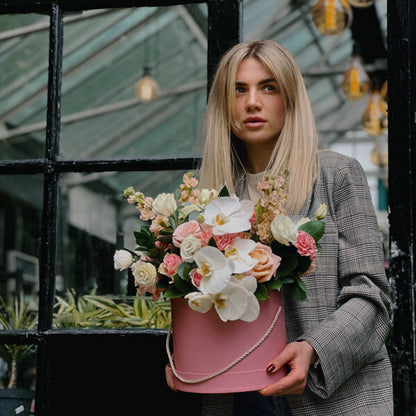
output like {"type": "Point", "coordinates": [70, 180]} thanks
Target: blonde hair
{"type": "Point", "coordinates": [297, 146]}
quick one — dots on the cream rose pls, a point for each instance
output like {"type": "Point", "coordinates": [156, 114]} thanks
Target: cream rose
{"type": "Point", "coordinates": [144, 274]}
{"type": "Point", "coordinates": [190, 245]}
{"type": "Point", "coordinates": [164, 204]}
{"type": "Point", "coordinates": [283, 230]}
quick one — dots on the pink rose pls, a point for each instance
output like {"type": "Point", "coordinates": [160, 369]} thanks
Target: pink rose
{"type": "Point", "coordinates": [268, 262]}
{"type": "Point", "coordinates": [306, 245]}
{"type": "Point", "coordinates": [170, 264]}
{"type": "Point", "coordinates": [195, 277]}
{"type": "Point", "coordinates": [185, 229]}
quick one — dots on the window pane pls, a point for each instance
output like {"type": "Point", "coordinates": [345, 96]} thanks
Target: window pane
{"type": "Point", "coordinates": [20, 219]}
{"type": "Point", "coordinates": [105, 55]}
{"type": "Point", "coordinates": [94, 221]}
{"type": "Point", "coordinates": [24, 46]}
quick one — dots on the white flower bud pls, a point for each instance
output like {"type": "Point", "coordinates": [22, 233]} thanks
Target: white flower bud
{"type": "Point", "coordinates": [320, 213]}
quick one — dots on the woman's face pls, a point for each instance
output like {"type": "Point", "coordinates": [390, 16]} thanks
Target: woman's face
{"type": "Point", "coordinates": [260, 108]}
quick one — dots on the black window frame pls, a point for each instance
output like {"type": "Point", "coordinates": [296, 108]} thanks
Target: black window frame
{"type": "Point", "coordinates": [224, 30]}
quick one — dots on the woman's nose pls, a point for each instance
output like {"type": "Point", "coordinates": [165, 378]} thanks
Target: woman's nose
{"type": "Point", "coordinates": [253, 101]}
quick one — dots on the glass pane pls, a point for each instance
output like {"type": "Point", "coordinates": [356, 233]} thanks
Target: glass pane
{"type": "Point", "coordinates": [20, 219]}
{"type": "Point", "coordinates": [94, 221]}
{"type": "Point", "coordinates": [105, 55]}
{"type": "Point", "coordinates": [24, 48]}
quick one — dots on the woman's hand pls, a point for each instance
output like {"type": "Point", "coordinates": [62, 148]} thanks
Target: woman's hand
{"type": "Point", "coordinates": [298, 356]}
{"type": "Point", "coordinates": [169, 377]}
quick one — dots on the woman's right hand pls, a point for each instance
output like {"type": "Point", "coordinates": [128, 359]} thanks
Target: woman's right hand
{"type": "Point", "coordinates": [169, 377]}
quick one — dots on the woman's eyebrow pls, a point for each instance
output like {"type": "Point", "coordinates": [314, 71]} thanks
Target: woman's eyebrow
{"type": "Point", "coordinates": [262, 82]}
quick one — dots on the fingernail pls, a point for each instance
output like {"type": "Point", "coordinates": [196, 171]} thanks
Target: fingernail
{"type": "Point", "coordinates": [271, 368]}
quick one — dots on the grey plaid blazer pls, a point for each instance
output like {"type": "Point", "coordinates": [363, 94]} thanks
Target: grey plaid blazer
{"type": "Point", "coordinates": [346, 317]}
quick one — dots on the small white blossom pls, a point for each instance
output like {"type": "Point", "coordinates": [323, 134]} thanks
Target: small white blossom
{"type": "Point", "coordinates": [284, 230]}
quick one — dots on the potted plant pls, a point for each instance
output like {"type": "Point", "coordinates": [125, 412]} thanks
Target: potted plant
{"type": "Point", "coordinates": [16, 316]}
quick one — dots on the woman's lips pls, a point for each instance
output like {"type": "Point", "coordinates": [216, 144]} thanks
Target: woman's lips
{"type": "Point", "coordinates": [254, 122]}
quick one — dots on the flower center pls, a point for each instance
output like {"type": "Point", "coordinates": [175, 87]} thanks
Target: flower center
{"type": "Point", "coordinates": [205, 270]}
{"type": "Point", "coordinates": [231, 252]}
{"type": "Point", "coordinates": [220, 219]}
{"type": "Point", "coordinates": [220, 300]}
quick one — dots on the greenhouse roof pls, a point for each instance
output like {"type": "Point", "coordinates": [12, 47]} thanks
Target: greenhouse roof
{"type": "Point", "coordinates": [105, 52]}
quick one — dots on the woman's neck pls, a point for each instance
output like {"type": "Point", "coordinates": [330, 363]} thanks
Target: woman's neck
{"type": "Point", "coordinates": [258, 157]}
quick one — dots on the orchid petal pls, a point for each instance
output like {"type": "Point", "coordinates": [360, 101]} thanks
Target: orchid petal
{"type": "Point", "coordinates": [199, 302]}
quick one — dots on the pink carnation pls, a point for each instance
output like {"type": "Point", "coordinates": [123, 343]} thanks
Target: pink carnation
{"type": "Point", "coordinates": [306, 245]}
{"type": "Point", "coordinates": [225, 240]}
{"type": "Point", "coordinates": [170, 264]}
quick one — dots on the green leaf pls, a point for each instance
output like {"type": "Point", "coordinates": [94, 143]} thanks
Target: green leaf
{"type": "Point", "coordinates": [261, 292]}
{"type": "Point", "coordinates": [274, 284]}
{"type": "Point", "coordinates": [172, 292]}
{"type": "Point", "coordinates": [299, 290]}
{"type": "Point", "coordinates": [288, 264]}
{"type": "Point", "coordinates": [183, 271]}
{"type": "Point", "coordinates": [314, 228]}
{"type": "Point", "coordinates": [182, 285]}
{"type": "Point", "coordinates": [212, 242]}
{"type": "Point", "coordinates": [224, 191]}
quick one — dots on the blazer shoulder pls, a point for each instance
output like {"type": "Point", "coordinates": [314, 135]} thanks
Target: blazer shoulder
{"type": "Point", "coordinates": [333, 163]}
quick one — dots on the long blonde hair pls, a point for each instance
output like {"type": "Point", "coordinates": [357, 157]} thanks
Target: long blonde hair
{"type": "Point", "coordinates": [297, 146]}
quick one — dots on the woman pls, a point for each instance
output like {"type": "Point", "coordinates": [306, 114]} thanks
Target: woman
{"type": "Point", "coordinates": [259, 119]}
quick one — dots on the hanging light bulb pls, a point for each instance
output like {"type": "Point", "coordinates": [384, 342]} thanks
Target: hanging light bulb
{"type": "Point", "coordinates": [374, 119]}
{"type": "Point", "coordinates": [361, 3]}
{"type": "Point", "coordinates": [356, 82]}
{"type": "Point", "coordinates": [331, 17]}
{"type": "Point", "coordinates": [146, 88]}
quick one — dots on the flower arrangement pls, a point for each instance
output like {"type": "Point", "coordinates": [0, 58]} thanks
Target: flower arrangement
{"type": "Point", "coordinates": [216, 250]}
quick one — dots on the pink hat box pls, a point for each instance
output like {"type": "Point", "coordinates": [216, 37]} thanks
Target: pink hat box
{"type": "Point", "coordinates": [212, 356]}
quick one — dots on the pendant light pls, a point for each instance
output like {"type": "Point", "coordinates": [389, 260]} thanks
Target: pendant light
{"type": "Point", "coordinates": [356, 82]}
{"type": "Point", "coordinates": [331, 17]}
{"type": "Point", "coordinates": [147, 88]}
{"type": "Point", "coordinates": [374, 119]}
{"type": "Point", "coordinates": [361, 3]}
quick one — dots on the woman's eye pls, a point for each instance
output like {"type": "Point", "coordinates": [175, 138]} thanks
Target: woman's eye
{"type": "Point", "coordinates": [269, 87]}
{"type": "Point", "coordinates": [239, 89]}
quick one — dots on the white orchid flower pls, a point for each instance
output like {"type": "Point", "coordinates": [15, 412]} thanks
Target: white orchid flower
{"type": "Point", "coordinates": [239, 252]}
{"type": "Point", "coordinates": [236, 302]}
{"type": "Point", "coordinates": [247, 281]}
{"type": "Point", "coordinates": [199, 302]}
{"type": "Point", "coordinates": [214, 268]}
{"type": "Point", "coordinates": [228, 215]}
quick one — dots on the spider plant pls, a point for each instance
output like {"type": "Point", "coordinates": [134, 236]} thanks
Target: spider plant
{"type": "Point", "coordinates": [16, 316]}
{"type": "Point", "coordinates": [93, 311]}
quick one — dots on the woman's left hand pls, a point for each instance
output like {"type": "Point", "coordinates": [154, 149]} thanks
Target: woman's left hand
{"type": "Point", "coordinates": [298, 356]}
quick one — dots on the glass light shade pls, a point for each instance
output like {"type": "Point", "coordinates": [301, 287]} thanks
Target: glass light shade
{"type": "Point", "coordinates": [147, 88]}
{"type": "Point", "coordinates": [383, 94]}
{"type": "Point", "coordinates": [356, 82]}
{"type": "Point", "coordinates": [331, 17]}
{"type": "Point", "coordinates": [380, 155]}
{"type": "Point", "coordinates": [374, 119]}
{"type": "Point", "coordinates": [361, 3]}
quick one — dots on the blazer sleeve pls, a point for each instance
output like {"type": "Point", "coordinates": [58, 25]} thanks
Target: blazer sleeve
{"type": "Point", "coordinates": [355, 333]}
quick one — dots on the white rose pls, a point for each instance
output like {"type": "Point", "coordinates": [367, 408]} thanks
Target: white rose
{"type": "Point", "coordinates": [190, 245]}
{"type": "Point", "coordinates": [144, 274]}
{"type": "Point", "coordinates": [122, 260]}
{"type": "Point", "coordinates": [164, 204]}
{"type": "Point", "coordinates": [284, 230]}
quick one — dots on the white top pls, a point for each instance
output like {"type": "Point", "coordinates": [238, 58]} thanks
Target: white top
{"type": "Point", "coordinates": [250, 191]}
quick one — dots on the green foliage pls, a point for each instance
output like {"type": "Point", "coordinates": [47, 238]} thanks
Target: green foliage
{"type": "Point", "coordinates": [16, 316]}
{"type": "Point", "coordinates": [93, 311]}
